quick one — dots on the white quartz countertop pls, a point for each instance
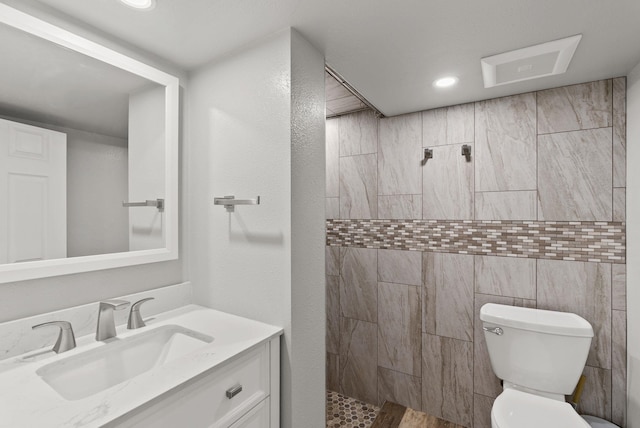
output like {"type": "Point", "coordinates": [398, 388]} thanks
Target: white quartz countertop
{"type": "Point", "coordinates": [27, 401]}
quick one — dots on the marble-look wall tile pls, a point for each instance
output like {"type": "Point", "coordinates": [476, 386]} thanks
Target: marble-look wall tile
{"type": "Point", "coordinates": [574, 176]}
{"type": "Point", "coordinates": [400, 206]}
{"type": "Point", "coordinates": [333, 372]}
{"type": "Point", "coordinates": [482, 411]}
{"type": "Point", "coordinates": [431, 279]}
{"type": "Point", "coordinates": [571, 108]}
{"type": "Point", "coordinates": [619, 287]}
{"type": "Point", "coordinates": [332, 208]}
{"type": "Point", "coordinates": [358, 133]}
{"type": "Point", "coordinates": [332, 260]}
{"type": "Point", "coordinates": [619, 203]}
{"type": "Point", "coordinates": [447, 190]}
{"type": "Point", "coordinates": [399, 328]}
{"type": "Point", "coordinates": [333, 314]}
{"type": "Point", "coordinates": [399, 155]}
{"type": "Point", "coordinates": [399, 388]}
{"type": "Point", "coordinates": [460, 121]}
{"type": "Point", "coordinates": [580, 176]}
{"type": "Point", "coordinates": [505, 146]}
{"type": "Point", "coordinates": [447, 379]}
{"type": "Point", "coordinates": [484, 379]}
{"type": "Point", "coordinates": [619, 368]}
{"type": "Point", "coordinates": [447, 298]}
{"type": "Point", "coordinates": [596, 396]}
{"type": "Point", "coordinates": [620, 132]}
{"type": "Point", "coordinates": [332, 188]}
{"type": "Point", "coordinates": [359, 284]}
{"type": "Point", "coordinates": [506, 276]}
{"type": "Point", "coordinates": [402, 267]}
{"type": "Point", "coordinates": [517, 205]}
{"type": "Point", "coordinates": [434, 127]}
{"type": "Point", "coordinates": [584, 289]}
{"type": "Point", "coordinates": [358, 360]}
{"type": "Point", "coordinates": [449, 125]}
{"type": "Point", "coordinates": [358, 186]}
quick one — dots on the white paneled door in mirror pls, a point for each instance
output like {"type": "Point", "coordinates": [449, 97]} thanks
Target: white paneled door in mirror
{"type": "Point", "coordinates": [88, 154]}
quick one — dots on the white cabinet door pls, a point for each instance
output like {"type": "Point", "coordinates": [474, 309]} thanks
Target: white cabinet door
{"type": "Point", "coordinates": [33, 193]}
{"type": "Point", "coordinates": [258, 417]}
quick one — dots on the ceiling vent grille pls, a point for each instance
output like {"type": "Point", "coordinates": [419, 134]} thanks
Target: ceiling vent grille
{"type": "Point", "coordinates": [533, 62]}
{"type": "Point", "coordinates": [342, 98]}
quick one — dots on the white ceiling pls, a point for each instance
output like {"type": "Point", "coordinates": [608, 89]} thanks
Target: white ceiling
{"type": "Point", "coordinates": [390, 51]}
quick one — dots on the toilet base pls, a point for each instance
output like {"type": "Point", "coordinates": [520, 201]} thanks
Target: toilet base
{"type": "Point", "coordinates": [598, 423]}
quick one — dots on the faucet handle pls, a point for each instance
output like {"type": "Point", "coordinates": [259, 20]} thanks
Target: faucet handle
{"type": "Point", "coordinates": [135, 319]}
{"type": "Point", "coordinates": [66, 339]}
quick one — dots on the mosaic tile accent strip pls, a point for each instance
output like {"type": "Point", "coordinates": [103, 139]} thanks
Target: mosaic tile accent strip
{"type": "Point", "coordinates": [347, 412]}
{"type": "Point", "coordinates": [585, 241]}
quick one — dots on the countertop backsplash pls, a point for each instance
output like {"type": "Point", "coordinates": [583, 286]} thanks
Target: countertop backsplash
{"type": "Point", "coordinates": [17, 337]}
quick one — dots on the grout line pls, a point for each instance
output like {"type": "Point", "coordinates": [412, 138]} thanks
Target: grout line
{"type": "Point", "coordinates": [422, 174]}
{"type": "Point", "coordinates": [575, 130]}
{"type": "Point", "coordinates": [535, 272]}
{"type": "Point", "coordinates": [613, 124]}
{"type": "Point", "coordinates": [357, 154]}
{"type": "Point", "coordinates": [535, 95]}
{"type": "Point", "coordinates": [447, 144]}
{"type": "Point", "coordinates": [377, 126]}
{"type": "Point", "coordinates": [339, 123]}
{"type": "Point", "coordinates": [402, 194]}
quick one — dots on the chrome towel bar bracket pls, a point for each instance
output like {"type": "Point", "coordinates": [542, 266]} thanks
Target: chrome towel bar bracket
{"type": "Point", "coordinates": [229, 202]}
{"type": "Point", "coordinates": [158, 203]}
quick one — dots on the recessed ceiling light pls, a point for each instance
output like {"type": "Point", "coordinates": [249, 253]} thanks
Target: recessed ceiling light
{"type": "Point", "coordinates": [140, 4]}
{"type": "Point", "coordinates": [445, 82]}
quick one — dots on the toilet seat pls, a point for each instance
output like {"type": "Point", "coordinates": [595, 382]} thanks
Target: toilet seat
{"type": "Point", "coordinates": [516, 409]}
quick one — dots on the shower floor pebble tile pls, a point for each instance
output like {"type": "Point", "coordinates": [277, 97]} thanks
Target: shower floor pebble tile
{"type": "Point", "coordinates": [347, 412]}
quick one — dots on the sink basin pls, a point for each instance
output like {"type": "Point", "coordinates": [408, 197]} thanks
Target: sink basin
{"type": "Point", "coordinates": [95, 370]}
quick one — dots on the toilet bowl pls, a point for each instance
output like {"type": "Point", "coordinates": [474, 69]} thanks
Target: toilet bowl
{"type": "Point", "coordinates": [539, 355]}
{"type": "Point", "coordinates": [514, 408]}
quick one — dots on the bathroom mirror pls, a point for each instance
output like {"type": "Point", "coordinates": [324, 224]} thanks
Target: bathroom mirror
{"type": "Point", "coordinates": [88, 154]}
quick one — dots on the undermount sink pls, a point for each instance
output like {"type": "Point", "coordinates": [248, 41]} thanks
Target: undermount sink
{"type": "Point", "coordinates": [97, 369]}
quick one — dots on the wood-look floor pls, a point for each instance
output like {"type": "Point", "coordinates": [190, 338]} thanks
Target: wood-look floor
{"type": "Point", "coordinates": [394, 415]}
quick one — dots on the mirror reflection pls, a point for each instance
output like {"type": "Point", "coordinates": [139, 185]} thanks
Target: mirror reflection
{"type": "Point", "coordinates": [77, 138]}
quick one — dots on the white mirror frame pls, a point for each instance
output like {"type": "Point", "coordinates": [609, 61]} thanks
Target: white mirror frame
{"type": "Point", "coordinates": [55, 267]}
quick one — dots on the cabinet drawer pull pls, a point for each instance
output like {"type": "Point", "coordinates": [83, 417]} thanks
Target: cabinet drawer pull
{"type": "Point", "coordinates": [232, 392]}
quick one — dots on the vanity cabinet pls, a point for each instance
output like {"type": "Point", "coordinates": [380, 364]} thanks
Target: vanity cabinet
{"type": "Point", "coordinates": [243, 392]}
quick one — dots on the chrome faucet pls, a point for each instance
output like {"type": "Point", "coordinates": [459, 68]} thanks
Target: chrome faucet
{"type": "Point", "coordinates": [135, 319]}
{"type": "Point", "coordinates": [66, 339]}
{"type": "Point", "coordinates": [106, 328]}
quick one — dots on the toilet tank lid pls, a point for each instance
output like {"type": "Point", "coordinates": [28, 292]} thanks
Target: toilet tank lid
{"type": "Point", "coordinates": [539, 320]}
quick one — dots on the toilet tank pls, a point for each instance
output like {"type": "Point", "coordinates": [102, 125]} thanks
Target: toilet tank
{"type": "Point", "coordinates": [541, 350]}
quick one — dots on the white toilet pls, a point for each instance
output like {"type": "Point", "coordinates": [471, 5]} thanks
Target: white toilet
{"type": "Point", "coordinates": [539, 355]}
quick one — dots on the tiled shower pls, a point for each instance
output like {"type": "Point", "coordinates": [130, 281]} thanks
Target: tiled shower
{"type": "Point", "coordinates": [414, 248]}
